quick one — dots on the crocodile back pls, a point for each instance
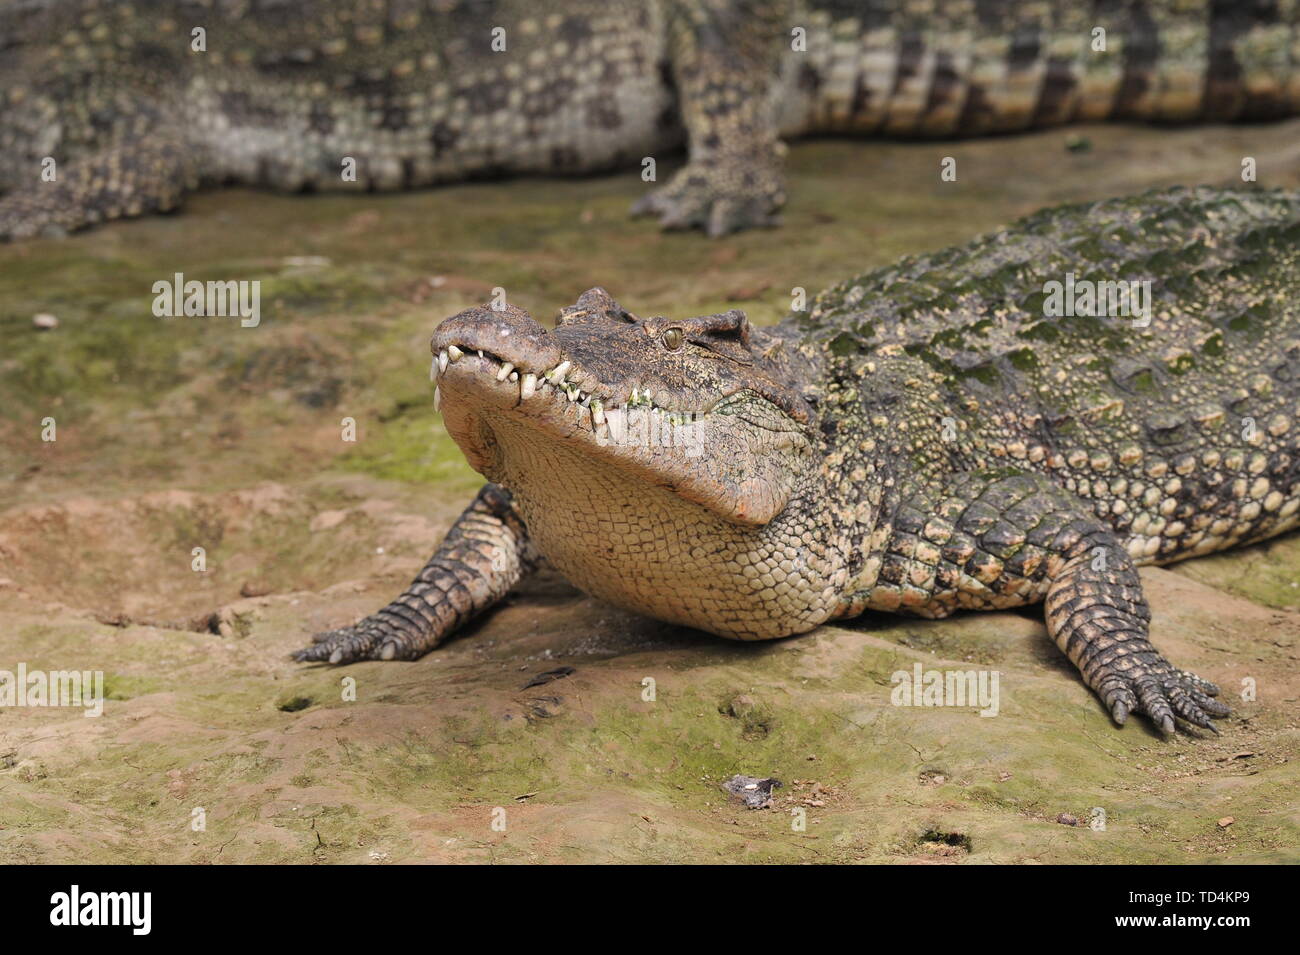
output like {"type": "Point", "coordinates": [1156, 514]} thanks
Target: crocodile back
{"type": "Point", "coordinates": [1181, 426]}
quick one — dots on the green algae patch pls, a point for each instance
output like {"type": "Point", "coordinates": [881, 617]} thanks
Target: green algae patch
{"type": "Point", "coordinates": [414, 447]}
{"type": "Point", "coordinates": [121, 686]}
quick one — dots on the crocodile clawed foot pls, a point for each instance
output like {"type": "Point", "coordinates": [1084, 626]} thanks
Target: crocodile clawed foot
{"type": "Point", "coordinates": [717, 198]}
{"type": "Point", "coordinates": [1162, 692]}
{"type": "Point", "coordinates": [394, 633]}
{"type": "Point", "coordinates": [360, 641]}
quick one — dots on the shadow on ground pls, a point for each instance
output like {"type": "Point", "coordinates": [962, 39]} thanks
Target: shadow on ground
{"type": "Point", "coordinates": [174, 434]}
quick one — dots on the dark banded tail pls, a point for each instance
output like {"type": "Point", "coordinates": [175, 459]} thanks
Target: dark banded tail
{"type": "Point", "coordinates": [1001, 66]}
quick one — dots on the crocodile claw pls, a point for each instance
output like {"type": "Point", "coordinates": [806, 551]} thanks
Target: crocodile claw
{"type": "Point", "coordinates": [1163, 693]}
{"type": "Point", "coordinates": [344, 645]}
{"type": "Point", "coordinates": [717, 197]}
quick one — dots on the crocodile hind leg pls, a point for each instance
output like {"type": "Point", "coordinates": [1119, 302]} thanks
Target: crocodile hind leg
{"type": "Point", "coordinates": [997, 540]}
{"type": "Point", "coordinates": [484, 554]}
{"type": "Point", "coordinates": [146, 174]}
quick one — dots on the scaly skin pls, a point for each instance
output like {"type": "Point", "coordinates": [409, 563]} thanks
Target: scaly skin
{"type": "Point", "coordinates": [415, 93]}
{"type": "Point", "coordinates": [922, 440]}
{"type": "Point", "coordinates": [485, 553]}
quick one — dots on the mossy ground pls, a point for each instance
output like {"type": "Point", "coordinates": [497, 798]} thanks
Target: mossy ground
{"type": "Point", "coordinates": [179, 433]}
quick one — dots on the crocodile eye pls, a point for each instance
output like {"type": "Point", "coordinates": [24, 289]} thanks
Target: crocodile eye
{"type": "Point", "coordinates": [673, 339]}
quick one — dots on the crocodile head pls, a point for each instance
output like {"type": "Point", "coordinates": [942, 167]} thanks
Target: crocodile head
{"type": "Point", "coordinates": [643, 454]}
{"type": "Point", "coordinates": [698, 407]}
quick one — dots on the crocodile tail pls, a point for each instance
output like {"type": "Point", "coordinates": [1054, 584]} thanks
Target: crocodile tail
{"type": "Point", "coordinates": [1002, 66]}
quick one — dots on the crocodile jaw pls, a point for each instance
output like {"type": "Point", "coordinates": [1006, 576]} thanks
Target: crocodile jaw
{"type": "Point", "coordinates": [715, 458]}
{"type": "Point", "coordinates": [616, 521]}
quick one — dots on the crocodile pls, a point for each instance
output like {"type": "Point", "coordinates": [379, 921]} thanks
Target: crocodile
{"type": "Point", "coordinates": [114, 108]}
{"type": "Point", "coordinates": [939, 435]}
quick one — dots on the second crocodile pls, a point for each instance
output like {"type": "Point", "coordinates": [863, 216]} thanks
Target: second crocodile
{"type": "Point", "coordinates": [112, 108]}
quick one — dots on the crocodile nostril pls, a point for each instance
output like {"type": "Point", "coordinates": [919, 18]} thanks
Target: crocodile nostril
{"type": "Point", "coordinates": [510, 335]}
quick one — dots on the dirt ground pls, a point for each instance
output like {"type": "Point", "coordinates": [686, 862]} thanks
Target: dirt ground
{"type": "Point", "coordinates": [181, 433]}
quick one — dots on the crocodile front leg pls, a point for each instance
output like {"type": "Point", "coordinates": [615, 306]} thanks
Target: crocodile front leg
{"type": "Point", "coordinates": [724, 65]}
{"type": "Point", "coordinates": [994, 540]}
{"type": "Point", "coordinates": [484, 554]}
{"type": "Point", "coordinates": [1098, 616]}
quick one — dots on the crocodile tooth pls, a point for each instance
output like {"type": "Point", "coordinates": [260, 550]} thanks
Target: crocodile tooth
{"type": "Point", "coordinates": [480, 353]}
{"type": "Point", "coordinates": [442, 361]}
{"type": "Point", "coordinates": [616, 418]}
{"type": "Point", "coordinates": [454, 354]}
{"type": "Point", "coordinates": [437, 398]}
{"type": "Point", "coordinates": [586, 400]}
{"type": "Point", "coordinates": [598, 411]}
{"type": "Point", "coordinates": [505, 371]}
{"type": "Point", "coordinates": [556, 374]}
{"type": "Point", "coordinates": [528, 386]}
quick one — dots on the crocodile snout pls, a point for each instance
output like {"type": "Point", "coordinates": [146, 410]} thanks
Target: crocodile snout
{"type": "Point", "coordinates": [510, 335]}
